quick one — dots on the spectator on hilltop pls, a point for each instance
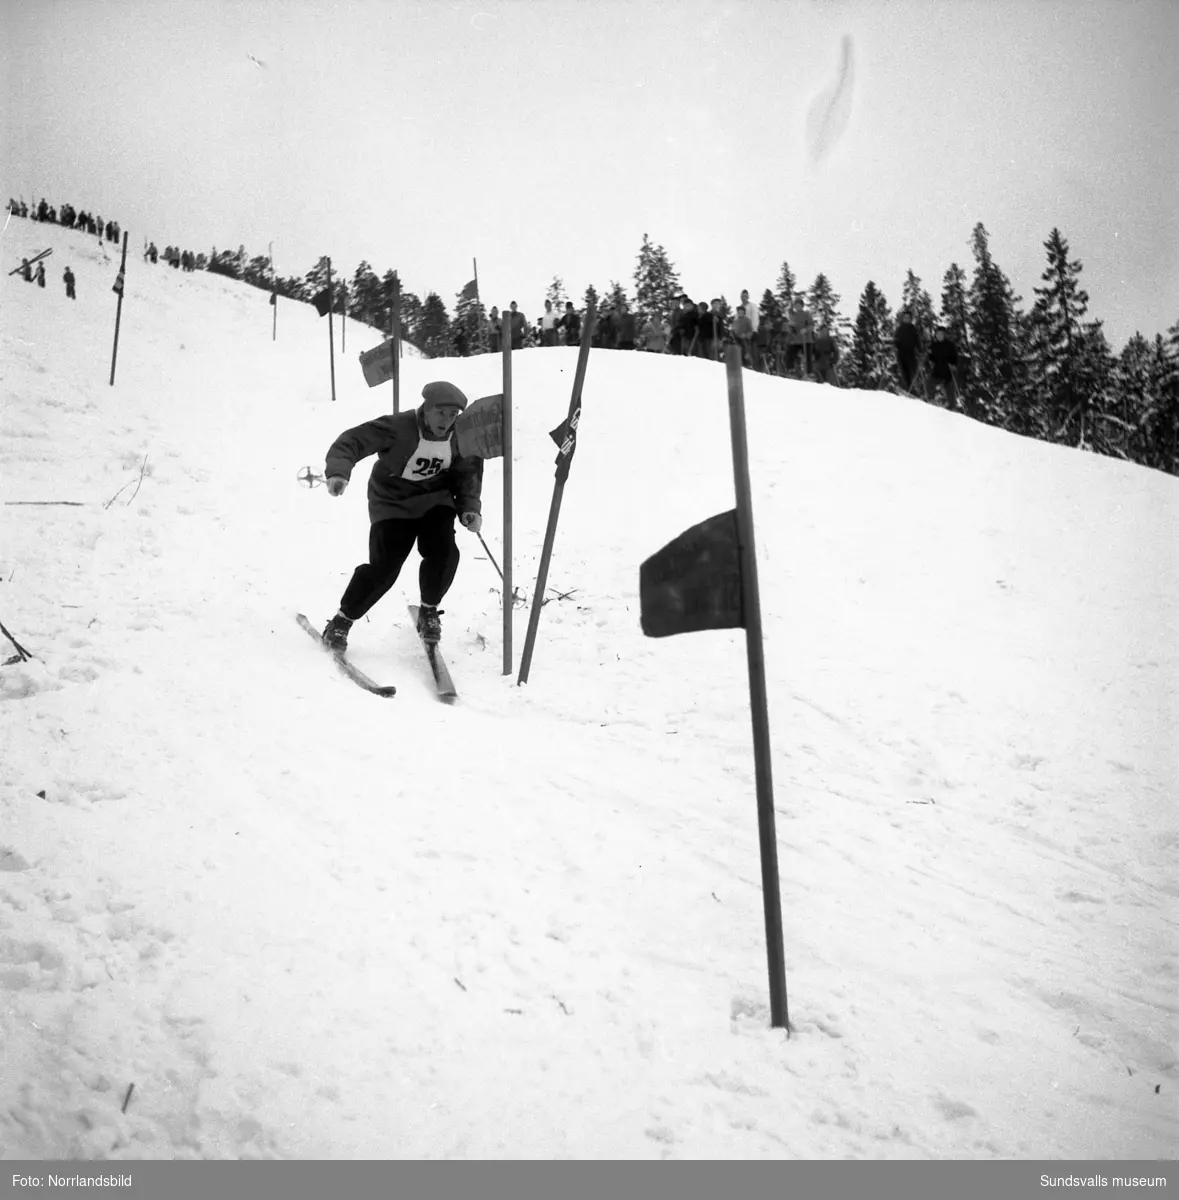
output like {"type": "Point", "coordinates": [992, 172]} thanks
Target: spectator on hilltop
{"type": "Point", "coordinates": [800, 339]}
{"type": "Point", "coordinates": [655, 336]}
{"type": "Point", "coordinates": [908, 347]}
{"type": "Point", "coordinates": [743, 333]}
{"type": "Point", "coordinates": [627, 330]}
{"type": "Point", "coordinates": [494, 329]}
{"type": "Point", "coordinates": [571, 323]}
{"type": "Point", "coordinates": [517, 327]}
{"type": "Point", "coordinates": [606, 330]}
{"type": "Point", "coordinates": [826, 355]}
{"type": "Point", "coordinates": [548, 325]}
{"type": "Point", "coordinates": [69, 282]}
{"type": "Point", "coordinates": [683, 327]}
{"type": "Point", "coordinates": [943, 367]}
{"type": "Point", "coordinates": [750, 308]}
{"type": "Point", "coordinates": [700, 335]}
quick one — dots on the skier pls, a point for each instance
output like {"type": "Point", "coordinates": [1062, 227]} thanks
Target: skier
{"type": "Point", "coordinates": [908, 346]}
{"type": "Point", "coordinates": [70, 280]}
{"type": "Point", "coordinates": [26, 271]}
{"type": "Point", "coordinates": [417, 485]}
{"type": "Point", "coordinates": [943, 363]}
{"type": "Point", "coordinates": [40, 276]}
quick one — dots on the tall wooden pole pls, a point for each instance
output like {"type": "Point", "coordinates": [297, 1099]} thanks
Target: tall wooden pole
{"type": "Point", "coordinates": [119, 284]}
{"type": "Point", "coordinates": [509, 593]}
{"type": "Point", "coordinates": [759, 709]}
{"type": "Point", "coordinates": [564, 460]}
{"type": "Point", "coordinates": [395, 334]}
{"type": "Point", "coordinates": [331, 335]}
{"type": "Point", "coordinates": [273, 296]}
{"type": "Point", "coordinates": [479, 305]}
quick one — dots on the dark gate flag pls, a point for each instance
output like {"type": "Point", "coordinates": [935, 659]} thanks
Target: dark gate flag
{"type": "Point", "coordinates": [480, 427]}
{"type": "Point", "coordinates": [377, 363]}
{"type": "Point", "coordinates": [694, 582]}
{"type": "Point", "coordinates": [323, 302]}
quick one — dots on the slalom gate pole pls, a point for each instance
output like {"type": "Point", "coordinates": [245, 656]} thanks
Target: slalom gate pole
{"type": "Point", "coordinates": [759, 709]}
{"type": "Point", "coordinates": [564, 460]}
{"type": "Point", "coordinates": [331, 335]}
{"type": "Point", "coordinates": [506, 574]}
{"type": "Point", "coordinates": [119, 284]}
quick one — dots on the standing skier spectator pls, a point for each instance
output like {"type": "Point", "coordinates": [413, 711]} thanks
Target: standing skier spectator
{"type": "Point", "coordinates": [826, 355]}
{"type": "Point", "coordinates": [800, 338]}
{"type": "Point", "coordinates": [418, 484]}
{"type": "Point", "coordinates": [69, 282]}
{"type": "Point", "coordinates": [943, 366]}
{"type": "Point", "coordinates": [743, 333]}
{"type": "Point", "coordinates": [571, 323]}
{"type": "Point", "coordinates": [750, 308]}
{"type": "Point", "coordinates": [517, 327]}
{"type": "Point", "coordinates": [40, 276]}
{"type": "Point", "coordinates": [605, 331]}
{"type": "Point", "coordinates": [548, 325]}
{"type": "Point", "coordinates": [908, 346]}
{"type": "Point", "coordinates": [26, 271]}
{"type": "Point", "coordinates": [627, 328]}
{"type": "Point", "coordinates": [683, 327]}
{"type": "Point", "coordinates": [656, 335]}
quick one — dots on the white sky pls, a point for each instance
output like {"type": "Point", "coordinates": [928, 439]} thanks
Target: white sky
{"type": "Point", "coordinates": [307, 922]}
{"type": "Point", "coordinates": [546, 138]}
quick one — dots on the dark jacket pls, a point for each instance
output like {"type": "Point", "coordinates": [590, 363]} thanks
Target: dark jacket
{"type": "Point", "coordinates": [826, 351]}
{"type": "Point", "coordinates": [516, 321]}
{"type": "Point", "coordinates": [395, 440]}
{"type": "Point", "coordinates": [683, 322]}
{"type": "Point", "coordinates": [943, 358]}
{"type": "Point", "coordinates": [908, 339]}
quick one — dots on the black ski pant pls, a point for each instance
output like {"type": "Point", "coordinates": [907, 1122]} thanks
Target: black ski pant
{"type": "Point", "coordinates": [389, 544]}
{"type": "Point", "coordinates": [907, 368]}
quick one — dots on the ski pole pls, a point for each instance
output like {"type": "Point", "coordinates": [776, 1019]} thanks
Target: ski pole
{"type": "Point", "coordinates": [491, 556]}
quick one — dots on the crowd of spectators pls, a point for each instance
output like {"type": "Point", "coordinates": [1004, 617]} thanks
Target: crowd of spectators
{"type": "Point", "coordinates": [793, 345]}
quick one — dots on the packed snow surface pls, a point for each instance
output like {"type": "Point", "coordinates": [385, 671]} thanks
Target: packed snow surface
{"type": "Point", "coordinates": [304, 921]}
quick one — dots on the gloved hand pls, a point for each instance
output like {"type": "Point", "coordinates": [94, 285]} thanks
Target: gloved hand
{"type": "Point", "coordinates": [336, 485]}
{"type": "Point", "coordinates": [472, 521]}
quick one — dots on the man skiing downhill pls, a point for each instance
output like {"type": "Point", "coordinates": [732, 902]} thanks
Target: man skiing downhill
{"type": "Point", "coordinates": [418, 484]}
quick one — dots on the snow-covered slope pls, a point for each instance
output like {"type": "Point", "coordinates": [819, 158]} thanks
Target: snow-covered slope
{"type": "Point", "coordinates": [304, 921]}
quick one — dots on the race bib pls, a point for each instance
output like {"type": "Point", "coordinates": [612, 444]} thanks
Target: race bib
{"type": "Point", "coordinates": [428, 460]}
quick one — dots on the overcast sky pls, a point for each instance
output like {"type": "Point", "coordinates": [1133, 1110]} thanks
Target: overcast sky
{"type": "Point", "coordinates": [545, 138]}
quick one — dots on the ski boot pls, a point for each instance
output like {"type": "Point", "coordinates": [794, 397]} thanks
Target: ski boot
{"type": "Point", "coordinates": [335, 634]}
{"type": "Point", "coordinates": [429, 627]}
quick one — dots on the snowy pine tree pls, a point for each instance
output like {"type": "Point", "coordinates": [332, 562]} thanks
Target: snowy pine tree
{"type": "Point", "coordinates": [468, 326]}
{"type": "Point", "coordinates": [556, 293]}
{"type": "Point", "coordinates": [994, 388]}
{"type": "Point", "coordinates": [370, 302]}
{"type": "Point", "coordinates": [919, 304]}
{"type": "Point", "coordinates": [431, 330]}
{"type": "Point", "coordinates": [872, 359]}
{"type": "Point", "coordinates": [657, 284]}
{"type": "Point", "coordinates": [786, 288]}
{"type": "Point", "coordinates": [1161, 423]}
{"type": "Point", "coordinates": [954, 318]}
{"type": "Point", "coordinates": [770, 311]}
{"type": "Point", "coordinates": [1067, 362]}
{"type": "Point", "coordinates": [616, 299]}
